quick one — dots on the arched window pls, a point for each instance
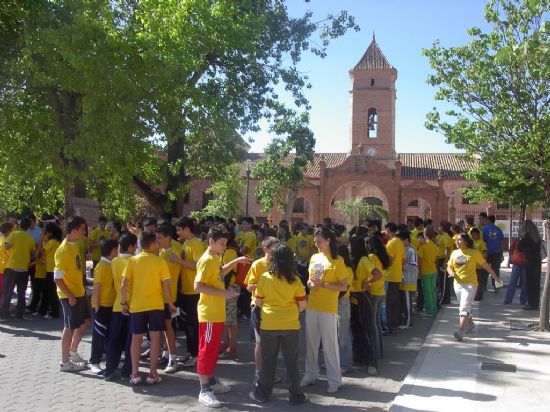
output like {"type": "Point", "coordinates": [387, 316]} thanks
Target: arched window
{"type": "Point", "coordinates": [373, 123]}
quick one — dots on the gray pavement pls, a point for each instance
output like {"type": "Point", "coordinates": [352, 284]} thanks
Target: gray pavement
{"type": "Point", "coordinates": [30, 353]}
{"type": "Point", "coordinates": [448, 375]}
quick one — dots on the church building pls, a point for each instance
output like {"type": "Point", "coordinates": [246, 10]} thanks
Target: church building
{"type": "Point", "coordinates": [407, 185]}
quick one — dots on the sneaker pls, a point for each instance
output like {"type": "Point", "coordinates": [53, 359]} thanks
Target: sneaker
{"type": "Point", "coordinates": [298, 400]}
{"type": "Point", "coordinates": [109, 377]}
{"type": "Point", "coordinates": [76, 358]}
{"type": "Point", "coordinates": [171, 367]}
{"type": "Point", "coordinates": [47, 316]}
{"type": "Point", "coordinates": [333, 388]}
{"type": "Point", "coordinates": [71, 366]}
{"type": "Point", "coordinates": [219, 387]}
{"type": "Point", "coordinates": [124, 377]}
{"type": "Point", "coordinates": [223, 348]}
{"type": "Point", "coordinates": [207, 398]}
{"type": "Point", "coordinates": [471, 327]}
{"type": "Point", "coordinates": [277, 380]}
{"type": "Point", "coordinates": [256, 398]}
{"type": "Point", "coordinates": [458, 336]}
{"type": "Point", "coordinates": [135, 379]}
{"type": "Point", "coordinates": [35, 314]}
{"type": "Point", "coordinates": [371, 370]}
{"type": "Point", "coordinates": [307, 381]}
{"type": "Point", "coordinates": [189, 363]}
{"type": "Point", "coordinates": [153, 378]}
{"type": "Point", "coordinates": [163, 361]}
{"type": "Point", "coordinates": [95, 368]}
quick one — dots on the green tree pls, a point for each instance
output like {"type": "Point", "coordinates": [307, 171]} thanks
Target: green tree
{"type": "Point", "coordinates": [499, 85]}
{"type": "Point", "coordinates": [227, 193]}
{"type": "Point", "coordinates": [284, 164]}
{"type": "Point", "coordinates": [356, 209]}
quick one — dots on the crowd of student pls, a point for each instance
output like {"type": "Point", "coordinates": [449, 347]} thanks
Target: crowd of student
{"type": "Point", "coordinates": [148, 281]}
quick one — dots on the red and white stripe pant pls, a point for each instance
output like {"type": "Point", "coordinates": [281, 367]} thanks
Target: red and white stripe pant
{"type": "Point", "coordinates": [210, 336]}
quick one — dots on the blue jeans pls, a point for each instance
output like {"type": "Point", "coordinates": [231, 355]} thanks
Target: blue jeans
{"type": "Point", "coordinates": [518, 272]}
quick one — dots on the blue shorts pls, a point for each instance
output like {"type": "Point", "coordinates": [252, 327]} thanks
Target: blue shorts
{"type": "Point", "coordinates": [74, 316]}
{"type": "Point", "coordinates": [148, 321]}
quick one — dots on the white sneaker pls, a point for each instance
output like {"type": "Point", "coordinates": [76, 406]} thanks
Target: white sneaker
{"type": "Point", "coordinates": [76, 358]}
{"type": "Point", "coordinates": [371, 370]}
{"type": "Point", "coordinates": [219, 387]}
{"type": "Point", "coordinates": [333, 388]}
{"type": "Point", "coordinates": [71, 366]}
{"type": "Point", "coordinates": [307, 381]}
{"type": "Point", "coordinates": [171, 367]}
{"type": "Point", "coordinates": [95, 368]}
{"type": "Point", "coordinates": [207, 398]}
{"type": "Point", "coordinates": [192, 361]}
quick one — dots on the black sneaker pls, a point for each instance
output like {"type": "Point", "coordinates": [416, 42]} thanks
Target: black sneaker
{"type": "Point", "coordinates": [298, 399]}
{"type": "Point", "coordinates": [163, 361]}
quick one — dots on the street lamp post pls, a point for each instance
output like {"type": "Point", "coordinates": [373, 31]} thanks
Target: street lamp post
{"type": "Point", "coordinates": [247, 185]}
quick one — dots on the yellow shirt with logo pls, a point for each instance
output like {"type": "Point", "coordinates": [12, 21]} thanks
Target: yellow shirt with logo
{"type": "Point", "coordinates": [229, 255]}
{"type": "Point", "coordinates": [22, 244]}
{"type": "Point", "coordinates": [97, 235]}
{"type": "Point", "coordinates": [330, 270]}
{"type": "Point", "coordinates": [304, 248]}
{"type": "Point", "coordinates": [49, 252]}
{"type": "Point", "coordinates": [69, 263]}
{"type": "Point", "coordinates": [103, 275]}
{"type": "Point", "coordinates": [118, 265]}
{"type": "Point", "coordinates": [280, 308]}
{"type": "Point", "coordinates": [210, 308]}
{"type": "Point", "coordinates": [194, 248]}
{"type": "Point", "coordinates": [247, 240]}
{"type": "Point", "coordinates": [174, 268]}
{"type": "Point", "coordinates": [464, 264]}
{"type": "Point", "coordinates": [427, 255]}
{"type": "Point", "coordinates": [396, 251]}
{"type": "Point", "coordinates": [257, 269]}
{"type": "Point", "coordinates": [146, 272]}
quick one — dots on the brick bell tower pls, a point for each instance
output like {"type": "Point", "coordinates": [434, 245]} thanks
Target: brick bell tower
{"type": "Point", "coordinates": [372, 98]}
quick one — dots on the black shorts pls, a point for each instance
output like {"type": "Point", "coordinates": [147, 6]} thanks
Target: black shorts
{"type": "Point", "coordinates": [74, 316]}
{"type": "Point", "coordinates": [255, 319]}
{"type": "Point", "coordinates": [148, 321]}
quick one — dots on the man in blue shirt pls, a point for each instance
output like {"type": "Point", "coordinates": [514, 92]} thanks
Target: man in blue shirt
{"type": "Point", "coordinates": [493, 237]}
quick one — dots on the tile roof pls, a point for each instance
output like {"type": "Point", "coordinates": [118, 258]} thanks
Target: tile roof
{"type": "Point", "coordinates": [373, 59]}
{"type": "Point", "coordinates": [414, 166]}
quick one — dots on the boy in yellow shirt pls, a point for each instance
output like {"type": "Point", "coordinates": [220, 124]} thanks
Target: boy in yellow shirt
{"type": "Point", "coordinates": [97, 235]}
{"type": "Point", "coordinates": [171, 252]}
{"type": "Point", "coordinates": [70, 289]}
{"type": "Point", "coordinates": [393, 276]}
{"type": "Point", "coordinates": [5, 230]}
{"type": "Point", "coordinates": [211, 311]}
{"type": "Point", "coordinates": [148, 278]}
{"type": "Point", "coordinates": [120, 337]}
{"type": "Point", "coordinates": [20, 246]}
{"type": "Point", "coordinates": [103, 298]}
{"type": "Point", "coordinates": [193, 249]}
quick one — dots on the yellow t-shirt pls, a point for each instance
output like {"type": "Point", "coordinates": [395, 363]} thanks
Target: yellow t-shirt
{"type": "Point", "coordinates": [49, 252]}
{"type": "Point", "coordinates": [210, 308]}
{"type": "Point", "coordinates": [69, 263]}
{"type": "Point", "coordinates": [362, 273]}
{"type": "Point", "coordinates": [396, 251]}
{"type": "Point", "coordinates": [304, 248]}
{"type": "Point", "coordinates": [40, 270]}
{"type": "Point", "coordinates": [146, 272]}
{"type": "Point", "coordinates": [464, 263]}
{"type": "Point", "coordinates": [194, 249]}
{"type": "Point", "coordinates": [257, 269]}
{"type": "Point", "coordinates": [455, 238]}
{"type": "Point", "coordinates": [229, 255]}
{"type": "Point", "coordinates": [291, 243]}
{"type": "Point", "coordinates": [118, 265]}
{"type": "Point", "coordinates": [481, 246]}
{"type": "Point", "coordinates": [280, 310]}
{"type": "Point", "coordinates": [103, 275]}
{"type": "Point", "coordinates": [350, 280]}
{"type": "Point", "coordinates": [97, 235]}
{"type": "Point", "coordinates": [174, 268]}
{"type": "Point", "coordinates": [414, 237]}
{"type": "Point", "coordinates": [247, 240]}
{"type": "Point", "coordinates": [330, 271]}
{"type": "Point", "coordinates": [427, 255]}
{"type": "Point", "coordinates": [443, 241]}
{"type": "Point", "coordinates": [82, 245]}
{"type": "Point", "coordinates": [4, 254]}
{"type": "Point", "coordinates": [22, 244]}
{"type": "Point", "coordinates": [377, 287]}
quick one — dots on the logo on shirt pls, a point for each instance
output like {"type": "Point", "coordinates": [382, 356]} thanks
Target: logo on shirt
{"type": "Point", "coordinates": [302, 243]}
{"type": "Point", "coordinates": [492, 234]}
{"type": "Point", "coordinates": [461, 260]}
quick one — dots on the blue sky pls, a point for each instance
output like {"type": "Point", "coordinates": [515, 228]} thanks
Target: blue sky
{"type": "Point", "coordinates": [403, 28]}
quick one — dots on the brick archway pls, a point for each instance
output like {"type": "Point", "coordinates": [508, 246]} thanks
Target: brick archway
{"type": "Point", "coordinates": [354, 189]}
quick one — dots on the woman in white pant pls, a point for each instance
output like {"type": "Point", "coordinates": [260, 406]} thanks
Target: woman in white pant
{"type": "Point", "coordinates": [327, 278]}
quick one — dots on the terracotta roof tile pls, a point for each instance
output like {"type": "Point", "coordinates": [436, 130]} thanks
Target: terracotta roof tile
{"type": "Point", "coordinates": [373, 59]}
{"type": "Point", "coordinates": [414, 166]}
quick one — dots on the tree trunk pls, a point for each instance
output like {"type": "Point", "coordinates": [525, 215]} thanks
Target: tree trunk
{"type": "Point", "coordinates": [156, 199]}
{"type": "Point", "coordinates": [522, 212]}
{"type": "Point", "coordinates": [176, 153]}
{"type": "Point", "coordinates": [545, 299]}
{"type": "Point", "coordinates": [289, 204]}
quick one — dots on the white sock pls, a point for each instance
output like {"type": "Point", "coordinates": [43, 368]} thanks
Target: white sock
{"type": "Point", "coordinates": [73, 353]}
{"type": "Point", "coordinates": [172, 357]}
{"type": "Point", "coordinates": [164, 353]}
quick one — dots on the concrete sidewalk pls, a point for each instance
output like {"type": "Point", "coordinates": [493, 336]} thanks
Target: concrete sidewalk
{"type": "Point", "coordinates": [448, 376]}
